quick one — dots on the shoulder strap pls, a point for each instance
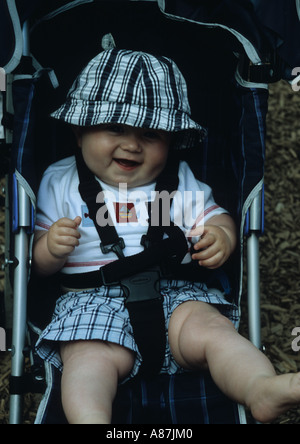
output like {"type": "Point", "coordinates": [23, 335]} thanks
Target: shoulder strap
{"type": "Point", "coordinates": [167, 183]}
{"type": "Point", "coordinates": [89, 189]}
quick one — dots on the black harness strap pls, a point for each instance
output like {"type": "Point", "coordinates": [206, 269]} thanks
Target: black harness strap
{"type": "Point", "coordinates": [139, 274]}
{"type": "Point", "coordinates": [148, 322]}
{"type": "Point", "coordinates": [89, 189]}
{"type": "Point", "coordinates": [111, 274]}
{"type": "Point", "coordinates": [166, 183]}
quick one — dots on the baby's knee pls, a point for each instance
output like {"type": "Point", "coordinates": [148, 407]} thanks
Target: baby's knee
{"type": "Point", "coordinates": [190, 338]}
{"type": "Point", "coordinates": [98, 354]}
{"type": "Point", "coordinates": [198, 320]}
{"type": "Point", "coordinates": [219, 323]}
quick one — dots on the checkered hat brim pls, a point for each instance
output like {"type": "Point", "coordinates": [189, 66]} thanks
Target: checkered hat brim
{"type": "Point", "coordinates": [132, 88]}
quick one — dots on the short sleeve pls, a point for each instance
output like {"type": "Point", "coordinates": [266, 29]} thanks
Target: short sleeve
{"type": "Point", "coordinates": [194, 204]}
{"type": "Point", "coordinates": [48, 202]}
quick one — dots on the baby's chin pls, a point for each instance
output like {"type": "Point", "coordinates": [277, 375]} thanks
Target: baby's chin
{"type": "Point", "coordinates": [126, 183]}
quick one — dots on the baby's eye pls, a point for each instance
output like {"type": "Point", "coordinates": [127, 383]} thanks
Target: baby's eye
{"type": "Point", "coordinates": [115, 128]}
{"type": "Point", "coordinates": [153, 135]}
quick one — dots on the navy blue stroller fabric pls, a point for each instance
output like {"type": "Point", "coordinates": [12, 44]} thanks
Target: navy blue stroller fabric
{"type": "Point", "coordinates": [272, 28]}
{"type": "Point", "coordinates": [281, 23]}
{"type": "Point", "coordinates": [267, 26]}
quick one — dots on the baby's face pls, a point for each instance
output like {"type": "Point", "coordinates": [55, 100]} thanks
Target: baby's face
{"type": "Point", "coordinates": [118, 153]}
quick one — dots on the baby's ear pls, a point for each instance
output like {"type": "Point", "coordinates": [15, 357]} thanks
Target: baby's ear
{"type": "Point", "coordinates": [77, 130]}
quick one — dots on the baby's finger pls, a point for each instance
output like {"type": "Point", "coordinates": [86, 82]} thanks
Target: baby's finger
{"type": "Point", "coordinates": [206, 254]}
{"type": "Point", "coordinates": [78, 220]}
{"type": "Point", "coordinates": [65, 231]}
{"type": "Point", "coordinates": [205, 242]}
{"type": "Point", "coordinates": [67, 223]}
{"type": "Point", "coordinates": [68, 241]}
{"type": "Point", "coordinates": [213, 262]}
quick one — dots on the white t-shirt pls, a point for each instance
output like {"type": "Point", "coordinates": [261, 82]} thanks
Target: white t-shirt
{"type": "Point", "coordinates": [58, 197]}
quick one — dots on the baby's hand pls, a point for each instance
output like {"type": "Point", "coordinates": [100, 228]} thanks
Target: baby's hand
{"type": "Point", "coordinates": [63, 237]}
{"type": "Point", "coordinates": [214, 247]}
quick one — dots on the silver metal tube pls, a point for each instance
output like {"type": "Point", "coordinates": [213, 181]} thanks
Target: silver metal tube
{"type": "Point", "coordinates": [20, 302]}
{"type": "Point", "coordinates": [253, 264]}
{"type": "Point", "coordinates": [26, 39]}
{"type": "Point", "coordinates": [256, 213]}
{"type": "Point", "coordinates": [254, 290]}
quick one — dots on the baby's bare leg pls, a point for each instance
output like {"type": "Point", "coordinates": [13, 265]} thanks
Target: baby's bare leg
{"type": "Point", "coordinates": [200, 338]}
{"type": "Point", "coordinates": [92, 370]}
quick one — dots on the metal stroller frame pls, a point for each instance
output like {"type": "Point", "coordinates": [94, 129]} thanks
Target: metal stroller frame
{"type": "Point", "coordinates": [23, 228]}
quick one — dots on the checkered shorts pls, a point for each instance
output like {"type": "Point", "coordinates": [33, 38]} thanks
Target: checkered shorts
{"type": "Point", "coordinates": [101, 315]}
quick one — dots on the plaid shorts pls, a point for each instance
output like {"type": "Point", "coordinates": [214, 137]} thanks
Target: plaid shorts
{"type": "Point", "coordinates": [101, 315]}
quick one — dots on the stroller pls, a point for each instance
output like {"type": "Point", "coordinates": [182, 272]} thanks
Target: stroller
{"type": "Point", "coordinates": [228, 52]}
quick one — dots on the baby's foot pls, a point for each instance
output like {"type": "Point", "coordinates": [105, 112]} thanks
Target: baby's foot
{"type": "Point", "coordinates": [272, 396]}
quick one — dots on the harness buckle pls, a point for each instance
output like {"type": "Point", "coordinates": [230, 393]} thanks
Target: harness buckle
{"type": "Point", "coordinates": [141, 287]}
{"type": "Point", "coordinates": [145, 242]}
{"type": "Point", "coordinates": [116, 248]}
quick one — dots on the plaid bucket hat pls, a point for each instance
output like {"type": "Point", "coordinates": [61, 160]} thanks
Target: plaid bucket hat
{"type": "Point", "coordinates": [135, 89]}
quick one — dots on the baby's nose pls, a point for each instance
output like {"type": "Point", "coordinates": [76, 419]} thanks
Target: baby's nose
{"type": "Point", "coordinates": [131, 143]}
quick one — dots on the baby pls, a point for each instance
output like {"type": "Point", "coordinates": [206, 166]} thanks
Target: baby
{"type": "Point", "coordinates": [130, 111]}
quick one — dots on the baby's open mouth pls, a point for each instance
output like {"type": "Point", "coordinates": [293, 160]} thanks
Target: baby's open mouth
{"type": "Point", "coordinates": [125, 163]}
